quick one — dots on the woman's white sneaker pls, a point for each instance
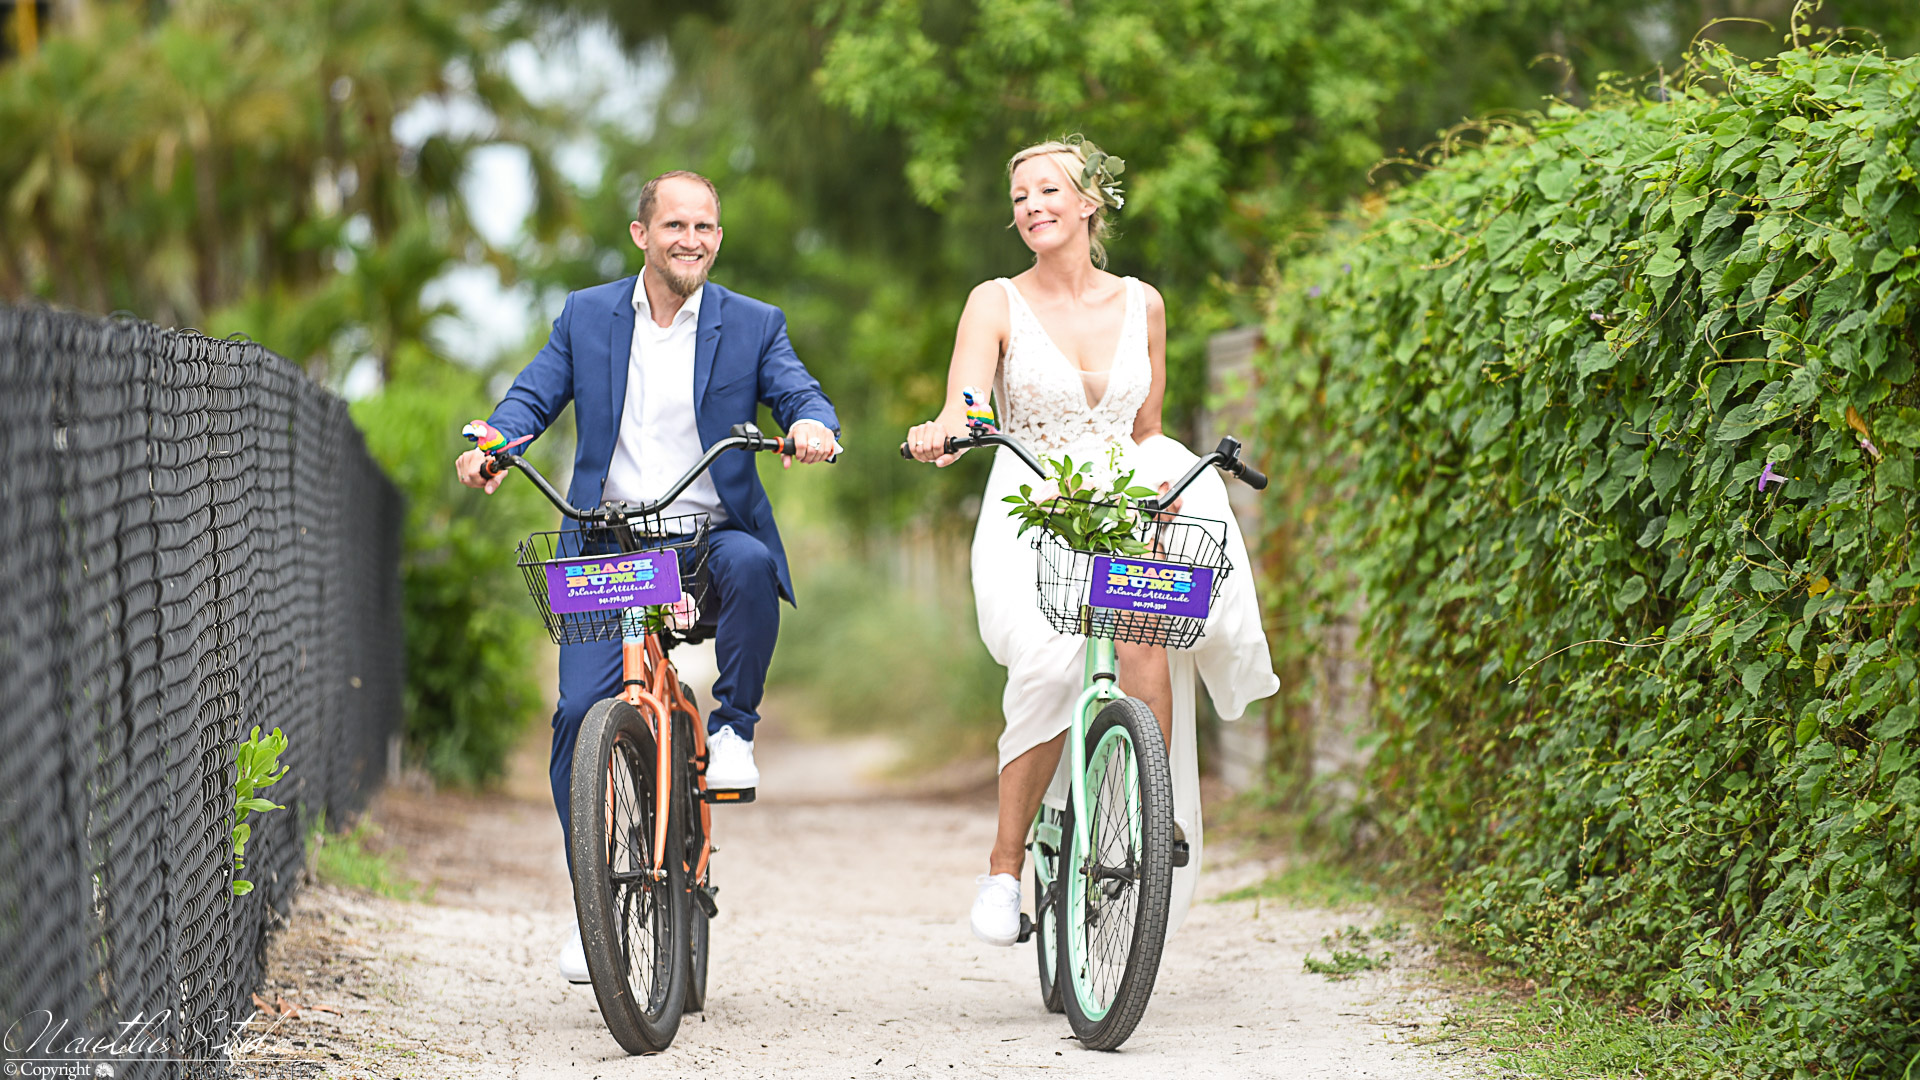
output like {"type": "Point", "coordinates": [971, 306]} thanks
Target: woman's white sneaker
{"type": "Point", "coordinates": [996, 910]}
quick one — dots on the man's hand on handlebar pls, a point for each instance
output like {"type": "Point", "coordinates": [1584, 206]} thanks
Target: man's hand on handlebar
{"type": "Point", "coordinates": [812, 443]}
{"type": "Point", "coordinates": [469, 465]}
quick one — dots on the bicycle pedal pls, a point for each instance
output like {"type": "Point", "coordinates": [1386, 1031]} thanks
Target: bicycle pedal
{"type": "Point", "coordinates": [1026, 929]}
{"type": "Point", "coordinates": [1181, 853]}
{"type": "Point", "coordinates": [728, 795]}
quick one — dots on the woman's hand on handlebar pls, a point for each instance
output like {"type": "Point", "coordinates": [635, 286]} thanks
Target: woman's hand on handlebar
{"type": "Point", "coordinates": [1166, 486]}
{"type": "Point", "coordinates": [928, 441]}
{"type": "Point", "coordinates": [469, 467]}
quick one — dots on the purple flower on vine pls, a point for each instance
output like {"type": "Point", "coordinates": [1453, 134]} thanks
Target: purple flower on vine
{"type": "Point", "coordinates": [1597, 317]}
{"type": "Point", "coordinates": [1313, 291]}
{"type": "Point", "coordinates": [1867, 445]}
{"type": "Point", "coordinates": [1346, 268]}
{"type": "Point", "coordinates": [1767, 475]}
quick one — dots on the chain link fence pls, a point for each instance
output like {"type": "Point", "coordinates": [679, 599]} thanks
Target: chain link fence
{"type": "Point", "coordinates": [193, 541]}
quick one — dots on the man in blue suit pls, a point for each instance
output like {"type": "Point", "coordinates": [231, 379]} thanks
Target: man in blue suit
{"type": "Point", "coordinates": [658, 368]}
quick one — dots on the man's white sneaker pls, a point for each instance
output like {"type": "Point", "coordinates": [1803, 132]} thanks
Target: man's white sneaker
{"type": "Point", "coordinates": [730, 761]}
{"type": "Point", "coordinates": [996, 910]}
{"type": "Point", "coordinates": [573, 958]}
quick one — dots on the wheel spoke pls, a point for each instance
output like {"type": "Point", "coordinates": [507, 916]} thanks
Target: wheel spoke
{"type": "Point", "coordinates": [630, 875]}
{"type": "Point", "coordinates": [1112, 867]}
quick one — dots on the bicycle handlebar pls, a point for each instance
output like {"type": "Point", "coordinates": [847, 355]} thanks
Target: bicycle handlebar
{"type": "Point", "coordinates": [740, 437]}
{"type": "Point", "coordinates": [1226, 455]}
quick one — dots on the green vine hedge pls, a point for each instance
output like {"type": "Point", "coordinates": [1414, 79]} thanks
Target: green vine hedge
{"type": "Point", "coordinates": [1620, 415]}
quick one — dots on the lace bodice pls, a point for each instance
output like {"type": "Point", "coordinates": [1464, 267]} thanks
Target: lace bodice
{"type": "Point", "coordinates": [1044, 395]}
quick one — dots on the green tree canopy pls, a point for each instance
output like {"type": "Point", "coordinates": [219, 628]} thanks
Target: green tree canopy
{"type": "Point", "coordinates": [236, 165]}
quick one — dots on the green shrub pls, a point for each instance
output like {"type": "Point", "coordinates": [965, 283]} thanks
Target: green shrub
{"type": "Point", "coordinates": [356, 859]}
{"type": "Point", "coordinates": [1653, 725]}
{"type": "Point", "coordinates": [473, 641]}
{"type": "Point", "coordinates": [862, 654]}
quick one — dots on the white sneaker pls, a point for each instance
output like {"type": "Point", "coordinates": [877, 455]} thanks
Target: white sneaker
{"type": "Point", "coordinates": [996, 910]}
{"type": "Point", "coordinates": [730, 761]}
{"type": "Point", "coordinates": [573, 958]}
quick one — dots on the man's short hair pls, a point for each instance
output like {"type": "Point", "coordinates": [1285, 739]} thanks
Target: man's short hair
{"type": "Point", "coordinates": [650, 193]}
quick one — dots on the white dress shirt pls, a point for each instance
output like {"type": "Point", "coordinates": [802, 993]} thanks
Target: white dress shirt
{"type": "Point", "coordinates": [658, 441]}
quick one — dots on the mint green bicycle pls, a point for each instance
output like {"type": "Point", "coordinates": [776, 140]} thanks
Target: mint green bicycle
{"type": "Point", "coordinates": [1103, 866]}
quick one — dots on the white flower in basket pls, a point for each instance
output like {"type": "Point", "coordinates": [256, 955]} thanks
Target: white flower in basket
{"type": "Point", "coordinates": [1090, 509]}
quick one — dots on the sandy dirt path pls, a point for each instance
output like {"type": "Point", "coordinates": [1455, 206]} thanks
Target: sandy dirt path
{"type": "Point", "coordinates": [841, 951]}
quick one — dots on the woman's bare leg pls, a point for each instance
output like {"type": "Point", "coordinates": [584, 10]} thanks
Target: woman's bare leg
{"type": "Point", "coordinates": [1022, 785]}
{"type": "Point", "coordinates": [1144, 674]}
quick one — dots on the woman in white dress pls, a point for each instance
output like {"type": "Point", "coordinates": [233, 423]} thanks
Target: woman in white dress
{"type": "Point", "coordinates": [1077, 360]}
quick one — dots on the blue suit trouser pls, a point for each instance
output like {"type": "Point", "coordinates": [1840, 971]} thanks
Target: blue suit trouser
{"type": "Point", "coordinates": [746, 585]}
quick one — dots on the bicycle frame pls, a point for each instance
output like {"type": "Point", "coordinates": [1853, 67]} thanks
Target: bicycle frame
{"type": "Point", "coordinates": [650, 687]}
{"type": "Point", "coordinates": [648, 681]}
{"type": "Point", "coordinates": [1101, 675]}
{"type": "Point", "coordinates": [1101, 678]}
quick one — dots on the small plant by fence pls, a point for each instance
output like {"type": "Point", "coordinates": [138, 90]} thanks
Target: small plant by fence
{"type": "Point", "coordinates": [196, 542]}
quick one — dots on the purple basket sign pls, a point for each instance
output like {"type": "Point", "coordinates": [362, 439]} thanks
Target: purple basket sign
{"type": "Point", "coordinates": [1124, 584]}
{"type": "Point", "coordinates": [611, 582]}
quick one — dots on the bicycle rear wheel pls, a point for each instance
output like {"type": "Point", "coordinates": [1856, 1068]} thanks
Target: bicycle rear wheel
{"type": "Point", "coordinates": [1046, 919]}
{"type": "Point", "coordinates": [1116, 894]}
{"type": "Point", "coordinates": [633, 921]}
{"type": "Point", "coordinates": [699, 932]}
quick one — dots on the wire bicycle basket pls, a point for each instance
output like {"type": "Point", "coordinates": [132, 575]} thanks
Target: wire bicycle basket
{"type": "Point", "coordinates": [583, 577]}
{"type": "Point", "coordinates": [1155, 588]}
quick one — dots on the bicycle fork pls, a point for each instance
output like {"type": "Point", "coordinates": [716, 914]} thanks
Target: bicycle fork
{"type": "Point", "coordinates": [634, 671]}
{"type": "Point", "coordinates": [1102, 686]}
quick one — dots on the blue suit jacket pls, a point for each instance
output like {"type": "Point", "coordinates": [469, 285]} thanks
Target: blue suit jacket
{"type": "Point", "coordinates": [741, 359]}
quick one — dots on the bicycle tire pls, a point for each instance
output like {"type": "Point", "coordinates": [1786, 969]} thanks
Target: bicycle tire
{"type": "Point", "coordinates": [699, 936]}
{"type": "Point", "coordinates": [634, 928]}
{"type": "Point", "coordinates": [1111, 935]}
{"type": "Point", "coordinates": [699, 930]}
{"type": "Point", "coordinates": [1046, 921]}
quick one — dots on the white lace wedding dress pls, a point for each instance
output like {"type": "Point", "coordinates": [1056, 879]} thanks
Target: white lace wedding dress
{"type": "Point", "coordinates": [1046, 402]}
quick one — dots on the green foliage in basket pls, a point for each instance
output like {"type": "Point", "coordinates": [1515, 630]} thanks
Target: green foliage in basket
{"type": "Point", "coordinates": [1613, 422]}
{"type": "Point", "coordinates": [1090, 509]}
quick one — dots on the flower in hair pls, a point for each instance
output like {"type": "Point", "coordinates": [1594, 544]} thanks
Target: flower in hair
{"type": "Point", "coordinates": [1102, 170]}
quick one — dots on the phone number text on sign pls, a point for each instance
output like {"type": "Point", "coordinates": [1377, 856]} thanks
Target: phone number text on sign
{"type": "Point", "coordinates": [1139, 585]}
{"type": "Point", "coordinates": [610, 582]}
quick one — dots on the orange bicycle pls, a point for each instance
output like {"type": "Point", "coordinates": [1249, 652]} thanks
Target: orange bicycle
{"type": "Point", "coordinates": [641, 820]}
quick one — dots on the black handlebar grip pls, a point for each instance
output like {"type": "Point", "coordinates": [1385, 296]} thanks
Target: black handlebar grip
{"type": "Point", "coordinates": [1255, 479]}
{"type": "Point", "coordinates": [951, 446]}
{"type": "Point", "coordinates": [492, 467]}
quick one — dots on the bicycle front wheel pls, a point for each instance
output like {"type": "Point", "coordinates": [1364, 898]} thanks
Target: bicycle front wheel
{"type": "Point", "coordinates": [1117, 892]}
{"type": "Point", "coordinates": [633, 919]}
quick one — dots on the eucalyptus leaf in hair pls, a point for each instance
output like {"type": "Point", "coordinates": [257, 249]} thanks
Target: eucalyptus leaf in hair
{"type": "Point", "coordinates": [1101, 171]}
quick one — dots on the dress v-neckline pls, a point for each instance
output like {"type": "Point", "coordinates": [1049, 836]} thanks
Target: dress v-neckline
{"type": "Point", "coordinates": [1113, 365]}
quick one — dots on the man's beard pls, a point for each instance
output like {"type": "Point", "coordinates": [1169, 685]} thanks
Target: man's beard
{"type": "Point", "coordinates": [682, 283]}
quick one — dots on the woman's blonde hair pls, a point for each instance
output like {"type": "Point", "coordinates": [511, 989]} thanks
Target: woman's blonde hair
{"type": "Point", "coordinates": [1086, 166]}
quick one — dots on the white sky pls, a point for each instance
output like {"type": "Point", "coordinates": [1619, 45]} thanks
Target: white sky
{"type": "Point", "coordinates": [577, 62]}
